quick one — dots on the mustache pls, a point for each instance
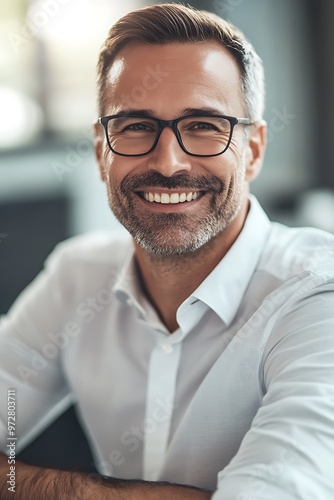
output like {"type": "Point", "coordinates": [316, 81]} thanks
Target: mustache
{"type": "Point", "coordinates": [154, 179]}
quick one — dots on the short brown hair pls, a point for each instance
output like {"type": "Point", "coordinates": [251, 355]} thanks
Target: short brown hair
{"type": "Point", "coordinates": [169, 23]}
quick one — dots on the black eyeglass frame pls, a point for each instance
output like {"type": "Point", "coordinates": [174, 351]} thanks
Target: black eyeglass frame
{"type": "Point", "coordinates": [103, 120]}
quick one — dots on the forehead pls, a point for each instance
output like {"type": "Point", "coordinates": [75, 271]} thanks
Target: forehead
{"type": "Point", "coordinates": [167, 78]}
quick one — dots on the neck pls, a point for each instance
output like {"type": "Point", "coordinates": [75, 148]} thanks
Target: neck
{"type": "Point", "coordinates": [168, 281]}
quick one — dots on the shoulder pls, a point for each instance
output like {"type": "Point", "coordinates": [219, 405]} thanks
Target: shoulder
{"type": "Point", "coordinates": [94, 248]}
{"type": "Point", "coordinates": [88, 262]}
{"type": "Point", "coordinates": [290, 252]}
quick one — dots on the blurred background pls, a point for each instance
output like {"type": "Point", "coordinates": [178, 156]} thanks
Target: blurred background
{"type": "Point", "coordinates": [49, 186]}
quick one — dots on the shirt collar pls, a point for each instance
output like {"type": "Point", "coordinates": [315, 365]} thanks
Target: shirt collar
{"type": "Point", "coordinates": [225, 286]}
{"type": "Point", "coordinates": [127, 287]}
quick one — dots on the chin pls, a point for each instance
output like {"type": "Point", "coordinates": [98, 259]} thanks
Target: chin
{"type": "Point", "coordinates": [173, 246]}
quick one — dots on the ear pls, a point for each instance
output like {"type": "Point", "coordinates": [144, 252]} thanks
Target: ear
{"type": "Point", "coordinates": [98, 147]}
{"type": "Point", "coordinates": [256, 147]}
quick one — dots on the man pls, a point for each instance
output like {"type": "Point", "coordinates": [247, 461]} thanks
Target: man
{"type": "Point", "coordinates": [199, 351]}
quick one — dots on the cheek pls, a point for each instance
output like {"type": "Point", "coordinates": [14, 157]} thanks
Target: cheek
{"type": "Point", "coordinates": [236, 147]}
{"type": "Point", "coordinates": [117, 168]}
{"type": "Point", "coordinates": [235, 159]}
{"type": "Point", "coordinates": [110, 171]}
{"type": "Point", "coordinates": [110, 161]}
{"type": "Point", "coordinates": [106, 161]}
{"type": "Point", "coordinates": [225, 166]}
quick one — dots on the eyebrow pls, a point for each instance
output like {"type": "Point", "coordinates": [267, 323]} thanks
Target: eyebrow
{"type": "Point", "coordinates": [208, 110]}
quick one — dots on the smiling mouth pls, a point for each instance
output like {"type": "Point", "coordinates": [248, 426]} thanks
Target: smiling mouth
{"type": "Point", "coordinates": [173, 198]}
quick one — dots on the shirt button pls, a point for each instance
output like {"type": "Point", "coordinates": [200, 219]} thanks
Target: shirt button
{"type": "Point", "coordinates": [166, 348]}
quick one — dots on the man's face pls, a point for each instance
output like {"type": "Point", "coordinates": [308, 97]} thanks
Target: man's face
{"type": "Point", "coordinates": [166, 80]}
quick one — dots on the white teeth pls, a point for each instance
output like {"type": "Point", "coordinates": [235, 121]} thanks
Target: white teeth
{"type": "Point", "coordinates": [165, 198]}
{"type": "Point", "coordinates": [174, 198]}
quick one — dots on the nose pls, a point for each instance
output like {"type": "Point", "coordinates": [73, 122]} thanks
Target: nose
{"type": "Point", "coordinates": [168, 158]}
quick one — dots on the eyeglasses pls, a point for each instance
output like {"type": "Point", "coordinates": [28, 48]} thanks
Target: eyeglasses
{"type": "Point", "coordinates": [198, 135]}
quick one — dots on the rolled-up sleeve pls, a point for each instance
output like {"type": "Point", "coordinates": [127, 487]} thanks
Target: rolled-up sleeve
{"type": "Point", "coordinates": [288, 453]}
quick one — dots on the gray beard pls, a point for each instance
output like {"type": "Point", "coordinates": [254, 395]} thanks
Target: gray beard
{"type": "Point", "coordinates": [172, 234]}
{"type": "Point", "coordinates": [184, 240]}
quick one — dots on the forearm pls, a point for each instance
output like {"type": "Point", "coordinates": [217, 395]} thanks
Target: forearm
{"type": "Point", "coordinates": [141, 490]}
{"type": "Point", "coordinates": [37, 483]}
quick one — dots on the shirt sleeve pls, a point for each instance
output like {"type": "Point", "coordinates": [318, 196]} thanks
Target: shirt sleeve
{"type": "Point", "coordinates": [31, 352]}
{"type": "Point", "coordinates": [288, 453]}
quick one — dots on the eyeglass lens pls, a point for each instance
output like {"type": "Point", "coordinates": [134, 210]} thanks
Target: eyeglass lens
{"type": "Point", "coordinates": [204, 135]}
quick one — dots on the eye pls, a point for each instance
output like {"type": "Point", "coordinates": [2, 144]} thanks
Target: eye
{"type": "Point", "coordinates": [204, 126]}
{"type": "Point", "coordinates": [139, 127]}
{"type": "Point", "coordinates": [131, 125]}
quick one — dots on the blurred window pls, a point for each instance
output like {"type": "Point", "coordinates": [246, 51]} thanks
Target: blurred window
{"type": "Point", "coordinates": [48, 55]}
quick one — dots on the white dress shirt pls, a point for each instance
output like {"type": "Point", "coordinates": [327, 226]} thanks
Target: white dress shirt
{"type": "Point", "coordinates": [239, 399]}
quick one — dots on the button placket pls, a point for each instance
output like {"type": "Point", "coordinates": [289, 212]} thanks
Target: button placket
{"type": "Point", "coordinates": [163, 369]}
{"type": "Point", "coordinates": [166, 348]}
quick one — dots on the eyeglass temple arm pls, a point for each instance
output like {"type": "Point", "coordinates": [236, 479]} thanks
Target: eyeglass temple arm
{"type": "Point", "coordinates": [245, 121]}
